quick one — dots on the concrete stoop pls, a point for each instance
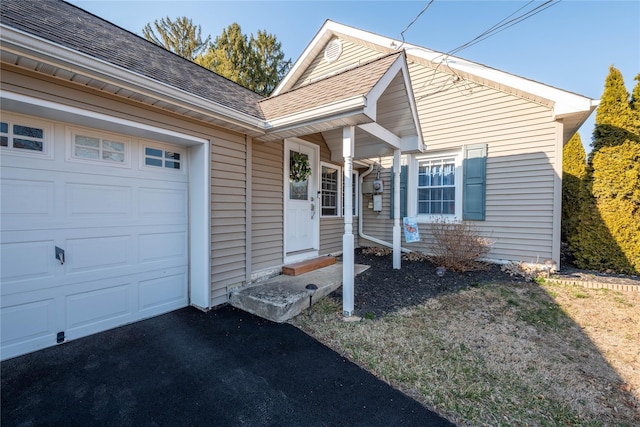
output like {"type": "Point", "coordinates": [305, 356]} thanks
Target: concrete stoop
{"type": "Point", "coordinates": [282, 297]}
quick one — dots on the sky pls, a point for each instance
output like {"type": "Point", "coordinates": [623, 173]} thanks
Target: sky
{"type": "Point", "coordinates": [569, 45]}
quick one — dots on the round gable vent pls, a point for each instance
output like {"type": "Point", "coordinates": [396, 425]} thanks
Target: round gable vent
{"type": "Point", "coordinates": [333, 50]}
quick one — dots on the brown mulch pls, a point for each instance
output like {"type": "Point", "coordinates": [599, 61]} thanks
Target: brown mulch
{"type": "Point", "coordinates": [417, 281]}
{"type": "Point", "coordinates": [414, 283]}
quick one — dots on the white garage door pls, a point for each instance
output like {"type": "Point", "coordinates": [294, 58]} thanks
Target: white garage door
{"type": "Point", "coordinates": [115, 207]}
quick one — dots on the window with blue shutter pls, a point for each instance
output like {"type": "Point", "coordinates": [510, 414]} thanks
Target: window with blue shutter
{"type": "Point", "coordinates": [474, 182]}
{"type": "Point", "coordinates": [403, 191]}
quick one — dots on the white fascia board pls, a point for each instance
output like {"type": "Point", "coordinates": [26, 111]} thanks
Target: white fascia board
{"type": "Point", "coordinates": [565, 102]}
{"type": "Point", "coordinates": [351, 106]}
{"type": "Point", "coordinates": [117, 122]}
{"type": "Point", "coordinates": [296, 68]}
{"type": "Point", "coordinates": [381, 85]}
{"type": "Point", "coordinates": [399, 66]}
{"type": "Point", "coordinates": [39, 49]}
{"type": "Point", "coordinates": [326, 32]}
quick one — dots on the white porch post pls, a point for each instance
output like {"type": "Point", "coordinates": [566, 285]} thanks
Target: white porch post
{"type": "Point", "coordinates": [348, 146]}
{"type": "Point", "coordinates": [397, 241]}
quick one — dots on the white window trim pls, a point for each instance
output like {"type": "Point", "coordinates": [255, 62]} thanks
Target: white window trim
{"type": "Point", "coordinates": [339, 190]}
{"type": "Point", "coordinates": [21, 120]}
{"type": "Point", "coordinates": [412, 186]}
{"type": "Point", "coordinates": [356, 183]}
{"type": "Point", "coordinates": [164, 147]}
{"type": "Point", "coordinates": [73, 131]}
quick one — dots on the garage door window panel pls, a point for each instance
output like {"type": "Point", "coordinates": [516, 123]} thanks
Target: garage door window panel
{"type": "Point", "coordinates": [155, 157]}
{"type": "Point", "coordinates": [18, 137]}
{"type": "Point", "coordinates": [93, 148]}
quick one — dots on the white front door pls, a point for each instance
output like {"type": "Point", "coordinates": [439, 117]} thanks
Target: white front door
{"type": "Point", "coordinates": [301, 201]}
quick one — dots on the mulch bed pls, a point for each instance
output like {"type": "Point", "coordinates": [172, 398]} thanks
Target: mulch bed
{"type": "Point", "coordinates": [382, 289]}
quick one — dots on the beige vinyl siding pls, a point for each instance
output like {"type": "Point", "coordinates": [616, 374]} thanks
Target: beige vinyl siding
{"type": "Point", "coordinates": [228, 223]}
{"type": "Point", "coordinates": [267, 200]}
{"type": "Point", "coordinates": [352, 55]}
{"type": "Point", "coordinates": [228, 188]}
{"type": "Point", "coordinates": [331, 231]}
{"type": "Point", "coordinates": [521, 138]}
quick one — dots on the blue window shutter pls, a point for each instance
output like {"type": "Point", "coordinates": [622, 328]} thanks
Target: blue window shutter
{"type": "Point", "coordinates": [403, 191]}
{"type": "Point", "coordinates": [474, 182]}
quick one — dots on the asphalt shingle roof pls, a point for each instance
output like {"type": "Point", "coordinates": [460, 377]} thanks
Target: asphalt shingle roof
{"type": "Point", "coordinates": [67, 25]}
{"type": "Point", "coordinates": [350, 83]}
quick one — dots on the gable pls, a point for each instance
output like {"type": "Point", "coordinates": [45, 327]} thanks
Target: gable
{"type": "Point", "coordinates": [569, 108]}
{"type": "Point", "coordinates": [352, 55]}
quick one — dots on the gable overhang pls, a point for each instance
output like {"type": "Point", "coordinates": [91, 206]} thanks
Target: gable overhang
{"type": "Point", "coordinates": [569, 108]}
{"type": "Point", "coordinates": [24, 50]}
{"type": "Point", "coordinates": [375, 134]}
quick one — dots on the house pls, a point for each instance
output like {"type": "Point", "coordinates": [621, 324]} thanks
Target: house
{"type": "Point", "coordinates": [135, 182]}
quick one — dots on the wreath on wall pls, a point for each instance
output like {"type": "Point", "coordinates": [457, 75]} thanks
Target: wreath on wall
{"type": "Point", "coordinates": [300, 168]}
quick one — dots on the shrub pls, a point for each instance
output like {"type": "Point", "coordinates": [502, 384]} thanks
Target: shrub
{"type": "Point", "coordinates": [459, 246]}
{"type": "Point", "coordinates": [574, 169]}
{"type": "Point", "coordinates": [608, 237]}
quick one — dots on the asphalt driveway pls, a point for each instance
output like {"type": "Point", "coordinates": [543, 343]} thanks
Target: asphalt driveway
{"type": "Point", "coordinates": [189, 368]}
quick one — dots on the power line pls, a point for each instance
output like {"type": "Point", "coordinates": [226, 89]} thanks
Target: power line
{"type": "Point", "coordinates": [501, 26]}
{"type": "Point", "coordinates": [414, 20]}
{"type": "Point", "coordinates": [495, 29]}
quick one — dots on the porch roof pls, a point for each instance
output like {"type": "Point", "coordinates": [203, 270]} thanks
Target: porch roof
{"type": "Point", "coordinates": [376, 97]}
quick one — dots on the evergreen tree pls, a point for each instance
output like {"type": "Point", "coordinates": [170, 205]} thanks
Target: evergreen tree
{"type": "Point", "coordinates": [228, 55]}
{"type": "Point", "coordinates": [268, 65]}
{"type": "Point", "coordinates": [635, 106]}
{"type": "Point", "coordinates": [607, 235]}
{"type": "Point", "coordinates": [256, 63]}
{"type": "Point", "coordinates": [616, 190]}
{"type": "Point", "coordinates": [635, 96]}
{"type": "Point", "coordinates": [181, 36]}
{"type": "Point", "coordinates": [574, 170]}
{"type": "Point", "coordinates": [613, 117]}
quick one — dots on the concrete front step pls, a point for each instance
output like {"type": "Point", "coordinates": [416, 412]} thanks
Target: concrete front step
{"type": "Point", "coordinates": [283, 297]}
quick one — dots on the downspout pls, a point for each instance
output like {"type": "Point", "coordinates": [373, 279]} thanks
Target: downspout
{"type": "Point", "coordinates": [360, 233]}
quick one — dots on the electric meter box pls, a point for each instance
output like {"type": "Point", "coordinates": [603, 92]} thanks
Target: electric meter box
{"type": "Point", "coordinates": [378, 185]}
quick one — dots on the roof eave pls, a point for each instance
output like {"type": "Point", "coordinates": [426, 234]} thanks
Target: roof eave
{"type": "Point", "coordinates": [41, 50]}
{"type": "Point", "coordinates": [350, 111]}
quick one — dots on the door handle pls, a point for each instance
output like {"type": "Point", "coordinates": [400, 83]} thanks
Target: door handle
{"type": "Point", "coordinates": [60, 255]}
{"type": "Point", "coordinates": [313, 210]}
